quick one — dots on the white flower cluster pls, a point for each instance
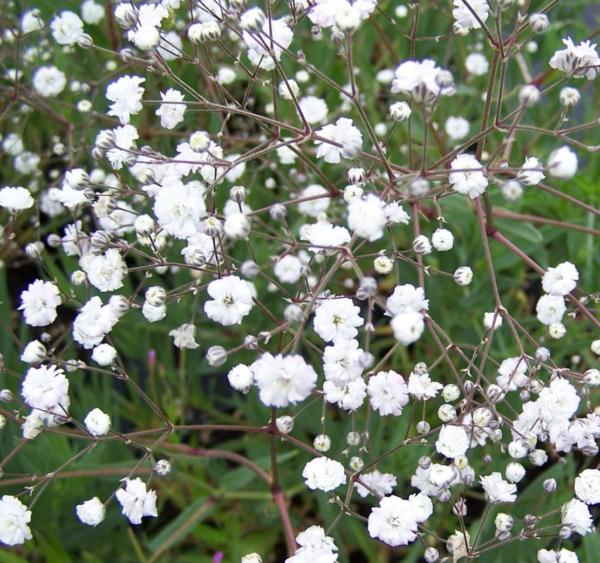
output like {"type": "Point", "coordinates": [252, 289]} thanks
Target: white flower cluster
{"type": "Point", "coordinates": [316, 243]}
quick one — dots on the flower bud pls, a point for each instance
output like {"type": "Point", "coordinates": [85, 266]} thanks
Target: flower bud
{"type": "Point", "coordinates": [383, 265]}
{"type": "Point", "coordinates": [278, 212]}
{"type": "Point", "coordinates": [542, 354]}
{"type": "Point", "coordinates": [592, 377]}
{"type": "Point", "coordinates": [249, 269]}
{"type": "Point", "coordinates": [421, 245]}
{"type": "Point", "coordinates": [162, 467]}
{"type": "Point", "coordinates": [251, 558]}
{"type": "Point", "coordinates": [539, 22]}
{"type": "Point", "coordinates": [156, 296]}
{"type": "Point", "coordinates": [442, 240]}
{"type": "Point", "coordinates": [356, 463]}
{"type": "Point", "coordinates": [238, 194]}
{"type": "Point", "coordinates": [285, 424]}
{"type": "Point", "coordinates": [463, 275]}
{"type": "Point", "coordinates": [322, 443]}
{"type": "Point", "coordinates": [216, 356]}
{"type": "Point", "coordinates": [446, 412]}
{"type": "Point", "coordinates": [529, 95]}
{"type": "Point", "coordinates": [431, 555]}
{"type": "Point", "coordinates": [550, 485]}
{"type": "Point", "coordinates": [400, 111]}
{"type": "Point", "coordinates": [569, 97]}
{"type": "Point", "coordinates": [423, 427]}
{"type": "Point", "coordinates": [6, 395]}
{"type": "Point", "coordinates": [504, 522]}
{"type": "Point", "coordinates": [203, 32]}
{"type": "Point", "coordinates": [34, 352]}
{"type": "Point", "coordinates": [353, 438]}
{"type": "Point", "coordinates": [356, 175]}
{"type": "Point", "coordinates": [515, 472]}
{"type": "Point", "coordinates": [252, 19]}
{"type": "Point", "coordinates": [34, 250]}
{"type": "Point", "coordinates": [212, 226]}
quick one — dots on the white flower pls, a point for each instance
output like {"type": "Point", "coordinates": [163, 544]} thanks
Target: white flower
{"type": "Point", "coordinates": [104, 271]}
{"type": "Point", "coordinates": [457, 128]}
{"type": "Point", "coordinates": [587, 486]}
{"type": "Point", "coordinates": [39, 302]}
{"type": "Point", "coordinates": [561, 279]}
{"type": "Point", "coordinates": [47, 389]}
{"type": "Point", "coordinates": [498, 490]}
{"type": "Point", "coordinates": [550, 309]}
{"type": "Point", "coordinates": [136, 501]}
{"type": "Point", "coordinates": [388, 393]}
{"type": "Point", "coordinates": [576, 515]}
{"type": "Point", "coordinates": [91, 512]}
{"type": "Point", "coordinates": [14, 518]}
{"type": "Point", "coordinates": [341, 362]}
{"type": "Point", "coordinates": [477, 64]}
{"type": "Point", "coordinates": [408, 327]}
{"type": "Point", "coordinates": [329, 13]}
{"type": "Point", "coordinates": [348, 395]}
{"type": "Point", "coordinates": [341, 139]}
{"type": "Point", "coordinates": [171, 112]}
{"type": "Point", "coordinates": [453, 441]}
{"type": "Point", "coordinates": [268, 42]}
{"type": "Point", "coordinates": [337, 318]}
{"type": "Point", "coordinates": [93, 323]}
{"type": "Point", "coordinates": [577, 60]}
{"type": "Point", "coordinates": [559, 400]}
{"type": "Point", "coordinates": [126, 94]}
{"type": "Point", "coordinates": [153, 314]}
{"type": "Point", "coordinates": [467, 177]}
{"type": "Point", "coordinates": [422, 387]}
{"type": "Point", "coordinates": [531, 173]}
{"type": "Point", "coordinates": [465, 19]}
{"type": "Point", "coordinates": [125, 138]}
{"type": "Point", "coordinates": [406, 298]}
{"type": "Point", "coordinates": [315, 547]}
{"type": "Point", "coordinates": [515, 472]}
{"type": "Point", "coordinates": [324, 235]}
{"type": "Point", "coordinates": [180, 208]}
{"type": "Point", "coordinates": [395, 521]}
{"type": "Point", "coordinates": [31, 21]}
{"type": "Point", "coordinates": [317, 200]}
{"type": "Point", "coordinates": [512, 373]}
{"type": "Point", "coordinates": [33, 425]}
{"type": "Point", "coordinates": [381, 483]}
{"type": "Point", "coordinates": [367, 217]}
{"type": "Point", "coordinates": [97, 422]}
{"type": "Point", "coordinates": [66, 28]}
{"type": "Point", "coordinates": [323, 474]}
{"type": "Point", "coordinates": [232, 300]}
{"type": "Point", "coordinates": [145, 35]}
{"type": "Point", "coordinates": [283, 380]}
{"type": "Point", "coordinates": [313, 109]}
{"type": "Point", "coordinates": [423, 80]}
{"type": "Point", "coordinates": [104, 354]}
{"type": "Point", "coordinates": [91, 12]}
{"type": "Point", "coordinates": [184, 336]}
{"type": "Point", "coordinates": [551, 556]}
{"type": "Point", "coordinates": [15, 199]}
{"type": "Point", "coordinates": [288, 269]}
{"type": "Point", "coordinates": [48, 81]}
{"type": "Point", "coordinates": [241, 378]}
{"type": "Point", "coordinates": [562, 163]}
